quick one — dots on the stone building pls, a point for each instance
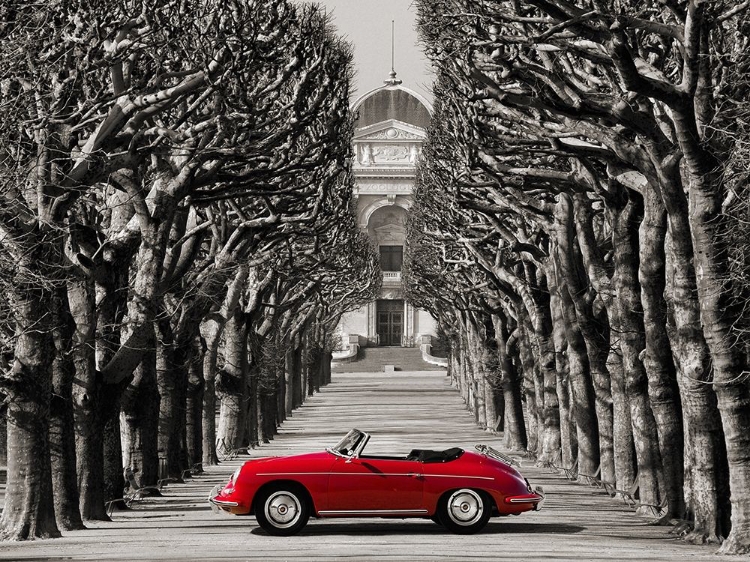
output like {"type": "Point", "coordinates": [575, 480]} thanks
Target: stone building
{"type": "Point", "coordinates": [390, 130]}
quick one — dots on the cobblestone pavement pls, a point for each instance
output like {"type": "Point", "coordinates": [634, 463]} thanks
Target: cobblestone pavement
{"type": "Point", "coordinates": [401, 410]}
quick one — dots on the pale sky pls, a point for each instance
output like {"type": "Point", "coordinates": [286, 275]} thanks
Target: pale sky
{"type": "Point", "coordinates": [367, 25]}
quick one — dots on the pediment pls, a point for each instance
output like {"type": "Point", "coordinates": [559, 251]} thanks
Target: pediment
{"type": "Point", "coordinates": [390, 233]}
{"type": "Point", "coordinates": [394, 228]}
{"type": "Point", "coordinates": [390, 130]}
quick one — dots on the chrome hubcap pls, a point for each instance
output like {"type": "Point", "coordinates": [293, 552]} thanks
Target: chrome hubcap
{"type": "Point", "coordinates": [465, 507]}
{"type": "Point", "coordinates": [282, 509]}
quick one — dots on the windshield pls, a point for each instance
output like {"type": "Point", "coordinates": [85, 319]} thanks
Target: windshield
{"type": "Point", "coordinates": [349, 443]}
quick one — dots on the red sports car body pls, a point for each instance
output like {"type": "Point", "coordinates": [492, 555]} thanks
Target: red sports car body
{"type": "Point", "coordinates": [457, 488]}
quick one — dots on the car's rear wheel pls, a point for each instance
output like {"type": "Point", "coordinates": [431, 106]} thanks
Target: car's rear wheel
{"type": "Point", "coordinates": [282, 511]}
{"type": "Point", "coordinates": [465, 511]}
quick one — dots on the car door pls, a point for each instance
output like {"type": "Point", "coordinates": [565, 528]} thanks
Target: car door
{"type": "Point", "coordinates": [366, 485]}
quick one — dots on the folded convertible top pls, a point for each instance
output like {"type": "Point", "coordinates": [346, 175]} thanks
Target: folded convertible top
{"type": "Point", "coordinates": [425, 455]}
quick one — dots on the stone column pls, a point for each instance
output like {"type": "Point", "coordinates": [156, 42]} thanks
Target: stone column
{"type": "Point", "coordinates": [372, 328]}
{"type": "Point", "coordinates": [408, 325]}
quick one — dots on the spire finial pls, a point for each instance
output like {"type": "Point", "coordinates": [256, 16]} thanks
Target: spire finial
{"type": "Point", "coordinates": [393, 45]}
{"type": "Point", "coordinates": [392, 80]}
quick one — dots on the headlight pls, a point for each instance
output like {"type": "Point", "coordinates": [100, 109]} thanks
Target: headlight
{"type": "Point", "coordinates": [229, 488]}
{"type": "Point", "coordinates": [235, 474]}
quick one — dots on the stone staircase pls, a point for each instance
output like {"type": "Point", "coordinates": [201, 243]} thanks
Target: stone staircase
{"type": "Point", "coordinates": [375, 360]}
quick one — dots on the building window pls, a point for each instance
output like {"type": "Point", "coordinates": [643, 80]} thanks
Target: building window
{"type": "Point", "coordinates": [391, 258]}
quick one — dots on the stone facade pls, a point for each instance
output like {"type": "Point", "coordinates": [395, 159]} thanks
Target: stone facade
{"type": "Point", "coordinates": [388, 139]}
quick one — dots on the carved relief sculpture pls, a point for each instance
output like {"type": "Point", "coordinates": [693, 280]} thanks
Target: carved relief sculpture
{"type": "Point", "coordinates": [413, 154]}
{"type": "Point", "coordinates": [392, 294]}
{"type": "Point", "coordinates": [391, 153]}
{"type": "Point", "coordinates": [392, 133]}
{"type": "Point", "coordinates": [404, 188]}
{"type": "Point", "coordinates": [366, 155]}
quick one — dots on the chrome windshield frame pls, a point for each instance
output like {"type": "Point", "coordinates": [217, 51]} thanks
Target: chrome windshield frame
{"type": "Point", "coordinates": [353, 442]}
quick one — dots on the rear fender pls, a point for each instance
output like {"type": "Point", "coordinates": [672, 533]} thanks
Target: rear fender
{"type": "Point", "coordinates": [490, 494]}
{"type": "Point", "coordinates": [433, 500]}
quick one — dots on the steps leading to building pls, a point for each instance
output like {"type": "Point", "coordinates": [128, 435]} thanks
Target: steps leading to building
{"type": "Point", "coordinates": [375, 360]}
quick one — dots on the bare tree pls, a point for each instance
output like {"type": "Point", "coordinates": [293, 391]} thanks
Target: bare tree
{"type": "Point", "coordinates": [613, 107]}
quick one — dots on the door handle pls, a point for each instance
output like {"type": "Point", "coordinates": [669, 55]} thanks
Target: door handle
{"type": "Point", "coordinates": [414, 475]}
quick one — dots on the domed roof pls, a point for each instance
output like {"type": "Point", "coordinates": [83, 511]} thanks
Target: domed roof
{"type": "Point", "coordinates": [392, 101]}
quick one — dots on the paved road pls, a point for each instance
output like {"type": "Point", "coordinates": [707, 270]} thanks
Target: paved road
{"type": "Point", "coordinates": [402, 410]}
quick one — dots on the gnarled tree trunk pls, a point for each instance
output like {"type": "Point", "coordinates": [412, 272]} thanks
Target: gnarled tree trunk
{"type": "Point", "coordinates": [718, 316]}
{"type": "Point", "coordinates": [568, 439]}
{"type": "Point", "coordinates": [194, 405]}
{"type": "Point", "coordinates": [29, 509]}
{"type": "Point", "coordinates": [172, 358]}
{"type": "Point", "coordinates": [705, 474]}
{"type": "Point", "coordinates": [545, 361]}
{"type": "Point", "coordinates": [658, 361]}
{"type": "Point", "coordinates": [584, 408]}
{"type": "Point", "coordinates": [514, 429]}
{"type": "Point", "coordinates": [232, 384]}
{"type": "Point", "coordinates": [86, 395]}
{"type": "Point", "coordinates": [632, 343]}
{"type": "Point", "coordinates": [61, 431]}
{"type": "Point", "coordinates": [594, 327]}
{"type": "Point", "coordinates": [599, 277]}
{"type": "Point", "coordinates": [211, 331]}
{"type": "Point", "coordinates": [212, 335]}
{"type": "Point", "coordinates": [139, 421]}
{"type": "Point", "coordinates": [534, 390]}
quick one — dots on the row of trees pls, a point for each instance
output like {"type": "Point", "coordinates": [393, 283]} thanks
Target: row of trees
{"type": "Point", "coordinates": [580, 232]}
{"type": "Point", "coordinates": [176, 229]}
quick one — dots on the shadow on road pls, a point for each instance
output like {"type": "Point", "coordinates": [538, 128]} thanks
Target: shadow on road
{"type": "Point", "coordinates": [392, 528]}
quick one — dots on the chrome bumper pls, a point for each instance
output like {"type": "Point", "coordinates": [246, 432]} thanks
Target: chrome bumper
{"type": "Point", "coordinates": [222, 503]}
{"type": "Point", "coordinates": [534, 497]}
{"type": "Point", "coordinates": [540, 491]}
{"type": "Point", "coordinates": [217, 504]}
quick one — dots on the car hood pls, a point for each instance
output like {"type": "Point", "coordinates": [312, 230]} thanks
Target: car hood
{"type": "Point", "coordinates": [292, 461]}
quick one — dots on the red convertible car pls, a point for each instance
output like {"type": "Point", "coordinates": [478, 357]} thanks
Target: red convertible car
{"type": "Point", "coordinates": [459, 489]}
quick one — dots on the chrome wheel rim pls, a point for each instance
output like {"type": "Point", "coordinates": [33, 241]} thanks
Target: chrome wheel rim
{"type": "Point", "coordinates": [282, 509]}
{"type": "Point", "coordinates": [465, 507]}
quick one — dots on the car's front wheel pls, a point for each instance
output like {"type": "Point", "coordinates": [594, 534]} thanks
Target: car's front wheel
{"type": "Point", "coordinates": [282, 511]}
{"type": "Point", "coordinates": [465, 511]}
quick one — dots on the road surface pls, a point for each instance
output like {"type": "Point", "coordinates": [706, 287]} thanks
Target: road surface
{"type": "Point", "coordinates": [402, 410]}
